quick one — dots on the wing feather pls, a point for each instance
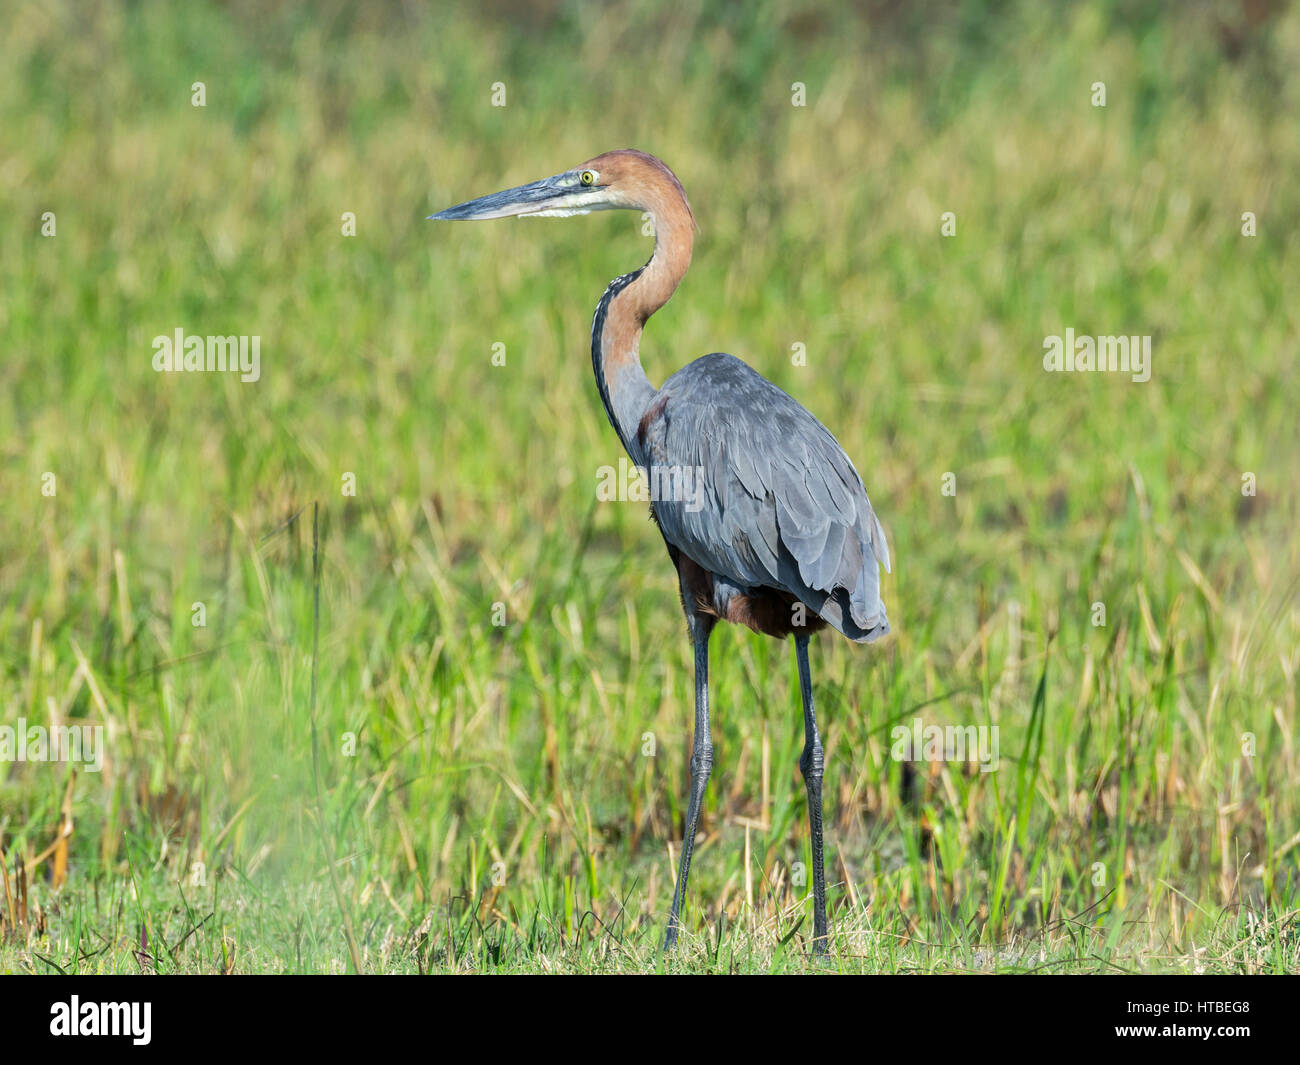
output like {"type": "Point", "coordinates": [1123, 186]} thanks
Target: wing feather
{"type": "Point", "coordinates": [781, 505]}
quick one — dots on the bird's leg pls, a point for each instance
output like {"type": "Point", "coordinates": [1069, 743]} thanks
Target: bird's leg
{"type": "Point", "coordinates": [811, 764]}
{"type": "Point", "coordinates": [701, 627]}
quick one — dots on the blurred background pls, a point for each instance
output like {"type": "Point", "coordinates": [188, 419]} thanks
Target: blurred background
{"type": "Point", "coordinates": [493, 771]}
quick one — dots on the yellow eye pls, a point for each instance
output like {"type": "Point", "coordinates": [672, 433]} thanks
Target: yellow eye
{"type": "Point", "coordinates": [587, 177]}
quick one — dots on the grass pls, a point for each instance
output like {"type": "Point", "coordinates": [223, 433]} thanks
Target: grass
{"type": "Point", "coordinates": [408, 786]}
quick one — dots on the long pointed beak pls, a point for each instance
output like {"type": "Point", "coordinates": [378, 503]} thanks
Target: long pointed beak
{"type": "Point", "coordinates": [538, 197]}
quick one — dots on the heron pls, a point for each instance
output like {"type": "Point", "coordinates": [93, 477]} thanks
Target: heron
{"type": "Point", "coordinates": [779, 535]}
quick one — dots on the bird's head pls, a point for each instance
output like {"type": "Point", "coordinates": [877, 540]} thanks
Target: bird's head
{"type": "Point", "coordinates": [624, 179]}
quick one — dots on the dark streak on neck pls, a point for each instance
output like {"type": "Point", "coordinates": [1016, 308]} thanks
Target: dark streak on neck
{"type": "Point", "coordinates": [598, 346]}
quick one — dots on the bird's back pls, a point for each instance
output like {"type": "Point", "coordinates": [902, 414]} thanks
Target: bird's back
{"type": "Point", "coordinates": [778, 504]}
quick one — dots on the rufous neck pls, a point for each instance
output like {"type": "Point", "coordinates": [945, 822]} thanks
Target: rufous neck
{"type": "Point", "coordinates": [622, 313]}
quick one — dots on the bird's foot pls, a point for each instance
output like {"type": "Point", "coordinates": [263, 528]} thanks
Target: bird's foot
{"type": "Point", "coordinates": [819, 950]}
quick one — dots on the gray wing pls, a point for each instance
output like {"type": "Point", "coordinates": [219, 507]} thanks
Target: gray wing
{"type": "Point", "coordinates": [776, 501]}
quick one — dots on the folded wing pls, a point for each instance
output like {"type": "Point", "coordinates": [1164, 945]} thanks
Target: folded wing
{"type": "Point", "coordinates": [774, 501]}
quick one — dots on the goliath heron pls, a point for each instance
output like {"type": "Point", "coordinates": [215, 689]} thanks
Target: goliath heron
{"type": "Point", "coordinates": [782, 538]}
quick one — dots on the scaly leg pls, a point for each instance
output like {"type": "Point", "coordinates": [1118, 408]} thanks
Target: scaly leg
{"type": "Point", "coordinates": [811, 764]}
{"type": "Point", "coordinates": [701, 761]}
